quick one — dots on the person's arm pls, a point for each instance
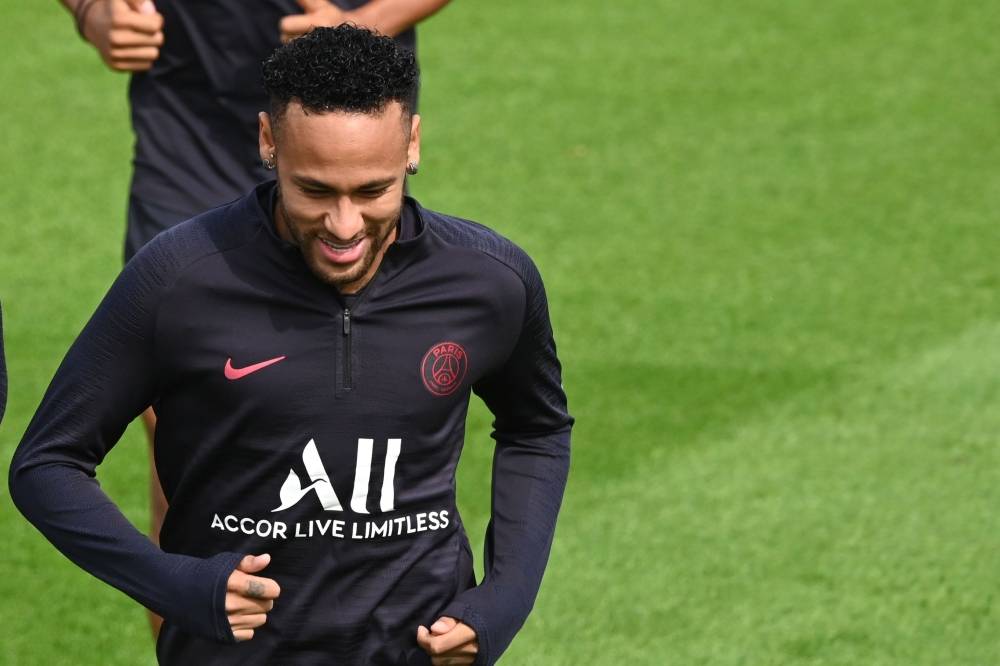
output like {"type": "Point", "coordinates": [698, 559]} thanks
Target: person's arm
{"type": "Point", "coordinates": [108, 377]}
{"type": "Point", "coordinates": [530, 466]}
{"type": "Point", "coordinates": [157, 505]}
{"type": "Point", "coordinates": [389, 17]}
{"type": "Point", "coordinates": [3, 372]}
{"type": "Point", "coordinates": [126, 33]}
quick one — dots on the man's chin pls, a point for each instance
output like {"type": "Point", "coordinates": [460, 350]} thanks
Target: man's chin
{"type": "Point", "coordinates": [339, 276]}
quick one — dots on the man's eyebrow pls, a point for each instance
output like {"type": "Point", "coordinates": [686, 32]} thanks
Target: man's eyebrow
{"type": "Point", "coordinates": [311, 183]}
{"type": "Point", "coordinates": [315, 184]}
{"type": "Point", "coordinates": [377, 184]}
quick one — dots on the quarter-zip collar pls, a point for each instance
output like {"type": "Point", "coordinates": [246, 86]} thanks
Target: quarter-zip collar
{"type": "Point", "coordinates": [413, 240]}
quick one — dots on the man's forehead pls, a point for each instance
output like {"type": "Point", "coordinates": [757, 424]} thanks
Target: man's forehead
{"type": "Point", "coordinates": [339, 135]}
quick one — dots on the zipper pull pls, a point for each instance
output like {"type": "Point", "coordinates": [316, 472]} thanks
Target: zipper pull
{"type": "Point", "coordinates": [347, 321]}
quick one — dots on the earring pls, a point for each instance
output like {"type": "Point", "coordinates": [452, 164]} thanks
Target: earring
{"type": "Point", "coordinates": [412, 168]}
{"type": "Point", "coordinates": [269, 162]}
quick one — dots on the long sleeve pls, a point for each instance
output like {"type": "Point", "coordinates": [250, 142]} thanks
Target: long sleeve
{"type": "Point", "coordinates": [530, 467]}
{"type": "Point", "coordinates": [107, 378]}
{"type": "Point", "coordinates": [3, 372]}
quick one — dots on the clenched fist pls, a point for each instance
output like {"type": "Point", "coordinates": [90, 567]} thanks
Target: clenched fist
{"type": "Point", "coordinates": [126, 33]}
{"type": "Point", "coordinates": [249, 598]}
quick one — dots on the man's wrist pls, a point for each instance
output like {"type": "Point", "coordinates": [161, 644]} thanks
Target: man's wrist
{"type": "Point", "coordinates": [365, 16]}
{"type": "Point", "coordinates": [80, 12]}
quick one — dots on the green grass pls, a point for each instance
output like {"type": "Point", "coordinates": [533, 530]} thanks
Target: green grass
{"type": "Point", "coordinates": [769, 236]}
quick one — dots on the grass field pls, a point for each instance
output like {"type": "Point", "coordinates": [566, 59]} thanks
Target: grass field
{"type": "Point", "coordinates": [769, 231]}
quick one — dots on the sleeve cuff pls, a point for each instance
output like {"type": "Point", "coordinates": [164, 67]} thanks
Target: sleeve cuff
{"type": "Point", "coordinates": [465, 613]}
{"type": "Point", "coordinates": [224, 564]}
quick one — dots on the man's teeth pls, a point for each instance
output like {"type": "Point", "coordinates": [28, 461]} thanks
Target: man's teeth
{"type": "Point", "coordinates": [339, 248]}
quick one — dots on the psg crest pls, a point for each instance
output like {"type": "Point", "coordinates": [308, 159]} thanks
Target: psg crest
{"type": "Point", "coordinates": [444, 367]}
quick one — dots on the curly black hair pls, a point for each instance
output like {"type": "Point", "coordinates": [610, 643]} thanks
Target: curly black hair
{"type": "Point", "coordinates": [346, 68]}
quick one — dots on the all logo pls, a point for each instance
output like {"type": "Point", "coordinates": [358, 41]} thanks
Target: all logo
{"type": "Point", "coordinates": [292, 490]}
{"type": "Point", "coordinates": [443, 367]}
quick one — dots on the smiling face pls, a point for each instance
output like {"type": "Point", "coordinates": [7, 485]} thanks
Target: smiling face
{"type": "Point", "coordinates": [340, 177]}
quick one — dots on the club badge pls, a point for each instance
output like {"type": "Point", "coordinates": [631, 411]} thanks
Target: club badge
{"type": "Point", "coordinates": [443, 368]}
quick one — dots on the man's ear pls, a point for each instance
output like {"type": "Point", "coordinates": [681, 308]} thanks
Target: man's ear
{"type": "Point", "coordinates": [413, 149]}
{"type": "Point", "coordinates": [265, 138]}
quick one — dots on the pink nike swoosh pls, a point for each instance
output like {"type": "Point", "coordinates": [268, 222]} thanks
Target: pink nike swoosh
{"type": "Point", "coordinates": [239, 373]}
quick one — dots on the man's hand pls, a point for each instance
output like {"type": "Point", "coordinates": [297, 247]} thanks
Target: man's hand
{"type": "Point", "coordinates": [127, 33]}
{"type": "Point", "coordinates": [317, 13]}
{"type": "Point", "coordinates": [249, 598]}
{"type": "Point", "coordinates": [449, 642]}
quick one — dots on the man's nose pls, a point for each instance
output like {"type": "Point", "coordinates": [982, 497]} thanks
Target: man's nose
{"type": "Point", "coordinates": [344, 220]}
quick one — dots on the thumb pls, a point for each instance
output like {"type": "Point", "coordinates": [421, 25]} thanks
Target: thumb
{"type": "Point", "coordinates": [443, 625]}
{"type": "Point", "coordinates": [254, 563]}
{"type": "Point", "coordinates": [142, 6]}
{"type": "Point", "coordinates": [310, 6]}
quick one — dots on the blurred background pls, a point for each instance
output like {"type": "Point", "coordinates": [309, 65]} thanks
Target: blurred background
{"type": "Point", "coordinates": [769, 233]}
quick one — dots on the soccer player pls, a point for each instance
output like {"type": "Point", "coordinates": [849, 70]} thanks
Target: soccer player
{"type": "Point", "coordinates": [310, 350]}
{"type": "Point", "coordinates": [195, 92]}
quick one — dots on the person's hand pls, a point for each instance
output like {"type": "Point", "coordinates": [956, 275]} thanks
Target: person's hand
{"type": "Point", "coordinates": [449, 642]}
{"type": "Point", "coordinates": [127, 33]}
{"type": "Point", "coordinates": [249, 598]}
{"type": "Point", "coordinates": [317, 13]}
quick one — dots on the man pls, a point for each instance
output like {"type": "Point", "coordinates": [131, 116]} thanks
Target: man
{"type": "Point", "coordinates": [310, 351]}
{"type": "Point", "coordinates": [195, 93]}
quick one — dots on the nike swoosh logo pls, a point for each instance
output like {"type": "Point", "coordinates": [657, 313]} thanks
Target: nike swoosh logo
{"type": "Point", "coordinates": [239, 373]}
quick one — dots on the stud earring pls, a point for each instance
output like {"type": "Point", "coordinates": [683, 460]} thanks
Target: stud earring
{"type": "Point", "coordinates": [269, 162]}
{"type": "Point", "coordinates": [412, 168]}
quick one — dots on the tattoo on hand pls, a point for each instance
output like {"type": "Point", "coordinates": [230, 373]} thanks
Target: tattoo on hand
{"type": "Point", "coordinates": [255, 589]}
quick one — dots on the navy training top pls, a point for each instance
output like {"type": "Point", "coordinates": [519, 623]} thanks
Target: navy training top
{"type": "Point", "coordinates": [323, 432]}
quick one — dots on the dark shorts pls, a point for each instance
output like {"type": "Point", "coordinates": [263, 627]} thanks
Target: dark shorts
{"type": "Point", "coordinates": [145, 220]}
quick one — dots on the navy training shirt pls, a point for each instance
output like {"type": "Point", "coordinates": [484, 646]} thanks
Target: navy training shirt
{"type": "Point", "coordinates": [194, 113]}
{"type": "Point", "coordinates": [321, 431]}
